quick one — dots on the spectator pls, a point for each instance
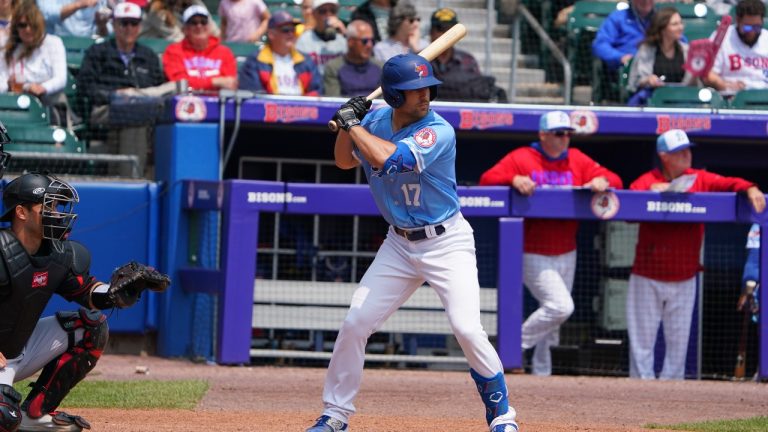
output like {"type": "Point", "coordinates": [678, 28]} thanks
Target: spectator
{"type": "Point", "coordinates": [75, 17]}
{"type": "Point", "coordinates": [199, 58]}
{"type": "Point", "coordinates": [6, 10]}
{"type": "Point", "coordinates": [326, 41]}
{"type": "Point", "coordinates": [355, 73]}
{"type": "Point", "coordinates": [120, 66]}
{"type": "Point", "coordinates": [662, 285]}
{"type": "Point", "coordinates": [721, 7]}
{"type": "Point", "coordinates": [620, 34]}
{"type": "Point", "coordinates": [243, 20]}
{"type": "Point", "coordinates": [308, 20]}
{"type": "Point", "coordinates": [458, 70]}
{"type": "Point", "coordinates": [660, 58]}
{"type": "Point", "coordinates": [279, 68]}
{"type": "Point", "coordinates": [404, 35]}
{"type": "Point", "coordinates": [164, 20]}
{"type": "Point", "coordinates": [742, 61]}
{"type": "Point", "coordinates": [35, 62]}
{"type": "Point", "coordinates": [376, 12]}
{"type": "Point", "coordinates": [549, 250]}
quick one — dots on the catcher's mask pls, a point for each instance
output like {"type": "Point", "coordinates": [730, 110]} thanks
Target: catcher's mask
{"type": "Point", "coordinates": [57, 197]}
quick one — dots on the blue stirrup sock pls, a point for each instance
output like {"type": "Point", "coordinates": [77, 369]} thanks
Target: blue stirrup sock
{"type": "Point", "coordinates": [493, 392]}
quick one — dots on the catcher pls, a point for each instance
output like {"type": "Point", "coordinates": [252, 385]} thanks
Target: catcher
{"type": "Point", "coordinates": [36, 261]}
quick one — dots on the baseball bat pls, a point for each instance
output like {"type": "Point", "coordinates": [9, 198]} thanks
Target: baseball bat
{"type": "Point", "coordinates": [741, 357]}
{"type": "Point", "coordinates": [445, 41]}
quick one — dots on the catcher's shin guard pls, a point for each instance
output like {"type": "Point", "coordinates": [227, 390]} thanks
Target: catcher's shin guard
{"type": "Point", "coordinates": [61, 374]}
{"type": "Point", "coordinates": [493, 392]}
{"type": "Point", "coordinates": [10, 413]}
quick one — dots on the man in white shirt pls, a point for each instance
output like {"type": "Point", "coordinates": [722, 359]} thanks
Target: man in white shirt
{"type": "Point", "coordinates": [326, 41]}
{"type": "Point", "coordinates": [742, 62]}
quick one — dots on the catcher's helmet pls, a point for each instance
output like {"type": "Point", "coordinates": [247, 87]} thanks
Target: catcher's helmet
{"type": "Point", "coordinates": [407, 72]}
{"type": "Point", "coordinates": [57, 197]}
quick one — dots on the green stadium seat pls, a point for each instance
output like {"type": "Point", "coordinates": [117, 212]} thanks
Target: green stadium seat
{"type": "Point", "coordinates": [22, 109]}
{"type": "Point", "coordinates": [350, 4]}
{"type": "Point", "coordinates": [157, 45]}
{"type": "Point", "coordinates": [242, 50]}
{"type": "Point", "coordinates": [50, 139]}
{"type": "Point", "coordinates": [583, 23]}
{"type": "Point", "coordinates": [700, 21]}
{"type": "Point", "coordinates": [756, 99]}
{"type": "Point", "coordinates": [76, 47]}
{"type": "Point", "coordinates": [686, 97]}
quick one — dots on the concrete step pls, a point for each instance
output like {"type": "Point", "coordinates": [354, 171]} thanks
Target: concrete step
{"type": "Point", "coordinates": [538, 100]}
{"type": "Point", "coordinates": [539, 90]}
{"type": "Point", "coordinates": [522, 76]}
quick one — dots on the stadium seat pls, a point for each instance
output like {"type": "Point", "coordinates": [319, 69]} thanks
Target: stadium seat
{"type": "Point", "coordinates": [48, 139]}
{"type": "Point", "coordinates": [157, 45]}
{"type": "Point", "coordinates": [700, 21]}
{"type": "Point", "coordinates": [76, 47]}
{"type": "Point", "coordinates": [686, 97]}
{"type": "Point", "coordinates": [583, 23]}
{"type": "Point", "coordinates": [242, 50]}
{"type": "Point", "coordinates": [22, 109]}
{"type": "Point", "coordinates": [756, 99]}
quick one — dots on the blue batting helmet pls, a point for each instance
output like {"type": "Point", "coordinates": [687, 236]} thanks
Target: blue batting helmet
{"type": "Point", "coordinates": [407, 72]}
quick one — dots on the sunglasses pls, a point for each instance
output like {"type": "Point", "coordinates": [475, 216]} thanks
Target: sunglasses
{"type": "Point", "coordinates": [746, 28]}
{"type": "Point", "coordinates": [194, 22]}
{"type": "Point", "coordinates": [23, 25]}
{"type": "Point", "coordinates": [561, 133]}
{"type": "Point", "coordinates": [126, 23]}
{"type": "Point", "coordinates": [287, 29]}
{"type": "Point", "coordinates": [413, 20]}
{"type": "Point", "coordinates": [326, 11]}
{"type": "Point", "coordinates": [364, 41]}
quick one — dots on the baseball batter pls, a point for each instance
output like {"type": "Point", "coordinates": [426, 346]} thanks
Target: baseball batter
{"type": "Point", "coordinates": [549, 258]}
{"type": "Point", "coordinates": [662, 285]}
{"type": "Point", "coordinates": [408, 153]}
{"type": "Point", "coordinates": [35, 263]}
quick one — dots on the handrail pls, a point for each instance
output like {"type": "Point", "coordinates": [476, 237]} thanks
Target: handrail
{"type": "Point", "coordinates": [559, 56]}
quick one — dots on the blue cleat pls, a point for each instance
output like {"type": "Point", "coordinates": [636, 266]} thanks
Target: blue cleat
{"type": "Point", "coordinates": [329, 424]}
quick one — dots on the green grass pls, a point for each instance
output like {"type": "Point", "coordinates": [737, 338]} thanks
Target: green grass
{"type": "Point", "coordinates": [754, 424]}
{"type": "Point", "coordinates": [182, 394]}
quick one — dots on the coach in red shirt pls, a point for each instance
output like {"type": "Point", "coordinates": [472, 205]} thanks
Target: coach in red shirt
{"type": "Point", "coordinates": [662, 286]}
{"type": "Point", "coordinates": [549, 259]}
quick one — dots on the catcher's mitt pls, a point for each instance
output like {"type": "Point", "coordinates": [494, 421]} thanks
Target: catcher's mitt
{"type": "Point", "coordinates": [130, 280]}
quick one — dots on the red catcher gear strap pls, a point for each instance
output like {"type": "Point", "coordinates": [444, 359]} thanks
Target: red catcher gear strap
{"type": "Point", "coordinates": [63, 373]}
{"type": "Point", "coordinates": [10, 414]}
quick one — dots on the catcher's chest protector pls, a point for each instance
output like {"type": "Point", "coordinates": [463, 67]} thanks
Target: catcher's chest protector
{"type": "Point", "coordinates": [30, 286]}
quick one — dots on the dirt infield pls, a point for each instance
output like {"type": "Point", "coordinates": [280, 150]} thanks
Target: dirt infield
{"type": "Point", "coordinates": [282, 399]}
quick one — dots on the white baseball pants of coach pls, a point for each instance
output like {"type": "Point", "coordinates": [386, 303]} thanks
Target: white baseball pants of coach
{"type": "Point", "coordinates": [449, 264]}
{"type": "Point", "coordinates": [650, 302]}
{"type": "Point", "coordinates": [47, 342]}
{"type": "Point", "coordinates": [549, 278]}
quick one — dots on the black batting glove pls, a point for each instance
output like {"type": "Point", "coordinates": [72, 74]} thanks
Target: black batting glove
{"type": "Point", "coordinates": [361, 105]}
{"type": "Point", "coordinates": [345, 117]}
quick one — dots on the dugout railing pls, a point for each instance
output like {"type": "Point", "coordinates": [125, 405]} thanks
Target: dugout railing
{"type": "Point", "coordinates": [241, 203]}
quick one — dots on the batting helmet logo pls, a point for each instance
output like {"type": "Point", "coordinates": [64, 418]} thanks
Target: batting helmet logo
{"type": "Point", "coordinates": [407, 72]}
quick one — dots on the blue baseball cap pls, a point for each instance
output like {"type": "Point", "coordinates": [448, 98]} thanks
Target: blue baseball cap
{"type": "Point", "coordinates": [672, 141]}
{"type": "Point", "coordinates": [555, 121]}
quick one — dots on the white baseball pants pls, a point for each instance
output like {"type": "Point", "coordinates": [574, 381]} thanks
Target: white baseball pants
{"type": "Point", "coordinates": [448, 263]}
{"type": "Point", "coordinates": [650, 302]}
{"type": "Point", "coordinates": [549, 278]}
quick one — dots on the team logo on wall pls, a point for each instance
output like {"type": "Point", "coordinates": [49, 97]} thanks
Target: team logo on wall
{"type": "Point", "coordinates": [605, 205]}
{"type": "Point", "coordinates": [665, 122]}
{"type": "Point", "coordinates": [425, 137]}
{"type": "Point", "coordinates": [190, 109]}
{"type": "Point", "coordinates": [276, 113]}
{"type": "Point", "coordinates": [584, 121]}
{"type": "Point", "coordinates": [471, 119]}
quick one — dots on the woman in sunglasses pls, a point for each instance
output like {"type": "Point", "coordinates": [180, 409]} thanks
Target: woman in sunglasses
{"type": "Point", "coordinates": [404, 33]}
{"type": "Point", "coordinates": [549, 249]}
{"type": "Point", "coordinates": [34, 62]}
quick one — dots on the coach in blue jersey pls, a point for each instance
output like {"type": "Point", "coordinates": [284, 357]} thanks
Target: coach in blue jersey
{"type": "Point", "coordinates": [408, 153]}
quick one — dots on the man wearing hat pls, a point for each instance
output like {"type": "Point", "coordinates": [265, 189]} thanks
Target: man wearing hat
{"type": "Point", "coordinates": [279, 68]}
{"type": "Point", "coordinates": [458, 70]}
{"type": "Point", "coordinates": [119, 65]}
{"type": "Point", "coordinates": [549, 258]}
{"type": "Point", "coordinates": [200, 58]}
{"type": "Point", "coordinates": [326, 41]}
{"type": "Point", "coordinates": [662, 285]}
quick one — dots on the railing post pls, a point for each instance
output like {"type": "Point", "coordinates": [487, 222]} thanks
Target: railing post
{"type": "Point", "coordinates": [510, 293]}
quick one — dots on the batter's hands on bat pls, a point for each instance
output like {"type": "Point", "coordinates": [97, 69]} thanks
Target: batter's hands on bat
{"type": "Point", "coordinates": [598, 184]}
{"type": "Point", "coordinates": [346, 118]}
{"type": "Point", "coordinates": [360, 104]}
{"type": "Point", "coordinates": [756, 198]}
{"type": "Point", "coordinates": [524, 185]}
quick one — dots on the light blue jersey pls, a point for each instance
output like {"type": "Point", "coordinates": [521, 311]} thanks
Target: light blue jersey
{"type": "Point", "coordinates": [427, 195]}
